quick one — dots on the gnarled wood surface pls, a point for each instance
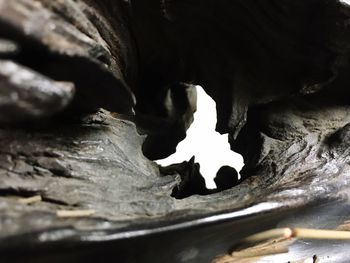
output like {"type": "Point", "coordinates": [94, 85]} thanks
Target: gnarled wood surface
{"type": "Point", "coordinates": [277, 70]}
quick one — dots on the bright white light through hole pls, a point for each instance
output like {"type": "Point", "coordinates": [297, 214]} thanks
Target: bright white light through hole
{"type": "Point", "coordinates": [210, 148]}
{"type": "Point", "coordinates": [345, 1]}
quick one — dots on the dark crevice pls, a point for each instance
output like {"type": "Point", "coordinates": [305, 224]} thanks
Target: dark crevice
{"type": "Point", "coordinates": [56, 202]}
{"type": "Point", "coordinates": [53, 165]}
{"type": "Point", "coordinates": [61, 173]}
{"type": "Point", "coordinates": [21, 192]}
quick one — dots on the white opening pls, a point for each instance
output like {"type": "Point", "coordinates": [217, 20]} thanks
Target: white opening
{"type": "Point", "coordinates": [345, 1]}
{"type": "Point", "coordinates": [211, 149]}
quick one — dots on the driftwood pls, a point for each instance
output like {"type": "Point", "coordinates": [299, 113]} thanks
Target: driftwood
{"type": "Point", "coordinates": [277, 70]}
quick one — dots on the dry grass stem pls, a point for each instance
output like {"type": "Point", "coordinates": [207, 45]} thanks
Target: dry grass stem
{"type": "Point", "coordinates": [74, 213]}
{"type": "Point", "coordinates": [30, 200]}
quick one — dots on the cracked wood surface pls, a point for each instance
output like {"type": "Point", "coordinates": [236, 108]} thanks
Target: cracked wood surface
{"type": "Point", "coordinates": [295, 143]}
{"type": "Point", "coordinates": [99, 165]}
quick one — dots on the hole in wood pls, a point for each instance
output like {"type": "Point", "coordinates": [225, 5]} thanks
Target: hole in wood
{"type": "Point", "coordinates": [210, 149]}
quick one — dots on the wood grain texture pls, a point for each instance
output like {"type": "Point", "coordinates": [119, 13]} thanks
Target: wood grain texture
{"type": "Point", "coordinates": [278, 71]}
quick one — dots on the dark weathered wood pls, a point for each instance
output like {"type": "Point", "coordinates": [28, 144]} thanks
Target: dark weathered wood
{"type": "Point", "coordinates": [65, 50]}
{"type": "Point", "coordinates": [278, 71]}
{"type": "Point", "coordinates": [244, 53]}
{"type": "Point", "coordinates": [27, 95]}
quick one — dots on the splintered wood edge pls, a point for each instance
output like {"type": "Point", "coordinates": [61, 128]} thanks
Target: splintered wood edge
{"type": "Point", "coordinates": [272, 247]}
{"type": "Point", "coordinates": [270, 234]}
{"type": "Point", "coordinates": [277, 241]}
{"type": "Point", "coordinates": [345, 226]}
{"type": "Point", "coordinates": [74, 213]}
{"type": "Point", "coordinates": [230, 259]}
{"type": "Point", "coordinates": [255, 252]}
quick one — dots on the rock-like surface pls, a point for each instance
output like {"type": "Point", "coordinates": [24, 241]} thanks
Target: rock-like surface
{"type": "Point", "coordinates": [99, 165]}
{"type": "Point", "coordinates": [96, 165]}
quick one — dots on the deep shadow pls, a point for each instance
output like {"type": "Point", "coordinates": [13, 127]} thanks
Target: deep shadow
{"type": "Point", "coordinates": [192, 181]}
